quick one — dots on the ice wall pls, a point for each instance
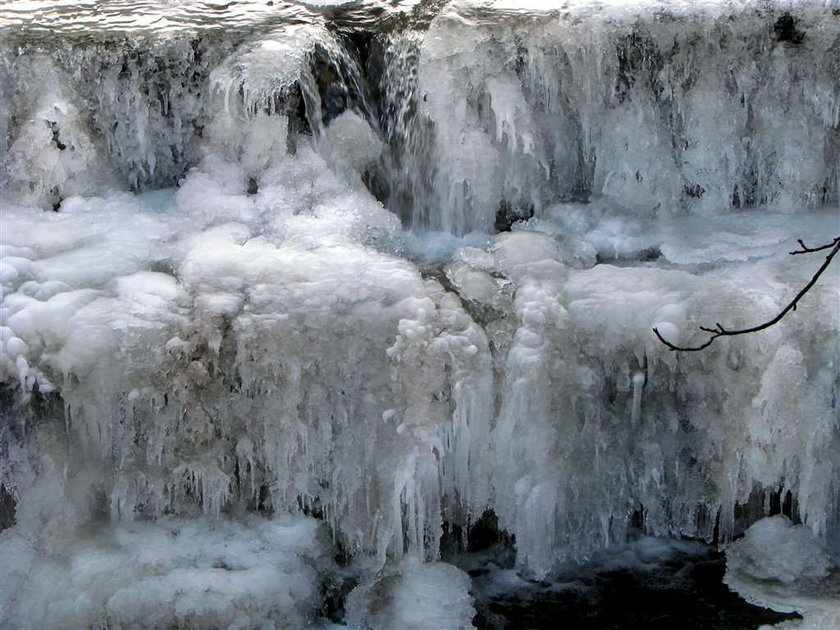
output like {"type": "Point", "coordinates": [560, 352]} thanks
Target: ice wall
{"type": "Point", "coordinates": [594, 412]}
{"type": "Point", "coordinates": [246, 342]}
{"type": "Point", "coordinates": [115, 115]}
{"type": "Point", "coordinates": [225, 314]}
{"type": "Point", "coordinates": [212, 347]}
{"type": "Point", "coordinates": [682, 109]}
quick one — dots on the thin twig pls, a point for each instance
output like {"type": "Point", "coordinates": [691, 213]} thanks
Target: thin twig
{"type": "Point", "coordinates": [720, 331]}
{"type": "Point", "coordinates": [811, 250]}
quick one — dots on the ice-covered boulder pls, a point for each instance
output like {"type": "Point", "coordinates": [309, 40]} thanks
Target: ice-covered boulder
{"type": "Point", "coordinates": [785, 567]}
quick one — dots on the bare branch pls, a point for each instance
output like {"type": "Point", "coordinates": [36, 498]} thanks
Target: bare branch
{"type": "Point", "coordinates": [811, 250]}
{"type": "Point", "coordinates": [720, 331]}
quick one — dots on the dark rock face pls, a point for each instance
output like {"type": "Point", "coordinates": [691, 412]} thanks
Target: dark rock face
{"type": "Point", "coordinates": [786, 30]}
{"type": "Point", "coordinates": [8, 506]}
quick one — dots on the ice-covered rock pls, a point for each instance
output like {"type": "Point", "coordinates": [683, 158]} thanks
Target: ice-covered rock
{"type": "Point", "coordinates": [415, 597]}
{"type": "Point", "coordinates": [785, 567]}
{"type": "Point", "coordinates": [774, 549]}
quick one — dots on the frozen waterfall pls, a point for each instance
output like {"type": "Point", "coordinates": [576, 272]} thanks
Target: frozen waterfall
{"type": "Point", "coordinates": [295, 294]}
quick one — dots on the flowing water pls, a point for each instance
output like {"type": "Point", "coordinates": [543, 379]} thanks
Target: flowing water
{"type": "Point", "coordinates": [302, 299]}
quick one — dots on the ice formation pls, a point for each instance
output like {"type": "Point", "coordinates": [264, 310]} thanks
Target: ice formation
{"type": "Point", "coordinates": [390, 275]}
{"type": "Point", "coordinates": [676, 113]}
{"type": "Point", "coordinates": [414, 596]}
{"type": "Point", "coordinates": [171, 573]}
{"type": "Point", "coordinates": [784, 567]}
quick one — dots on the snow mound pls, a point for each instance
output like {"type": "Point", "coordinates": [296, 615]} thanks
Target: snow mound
{"type": "Point", "coordinates": [254, 573]}
{"type": "Point", "coordinates": [783, 566]}
{"type": "Point", "coordinates": [414, 597]}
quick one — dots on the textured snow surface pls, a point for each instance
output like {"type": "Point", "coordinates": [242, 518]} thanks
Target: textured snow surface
{"type": "Point", "coordinates": [220, 317]}
{"type": "Point", "coordinates": [414, 596]}
{"type": "Point", "coordinates": [773, 549]}
{"type": "Point", "coordinates": [175, 572]}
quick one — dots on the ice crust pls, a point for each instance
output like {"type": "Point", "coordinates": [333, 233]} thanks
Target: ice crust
{"type": "Point", "coordinates": [222, 319]}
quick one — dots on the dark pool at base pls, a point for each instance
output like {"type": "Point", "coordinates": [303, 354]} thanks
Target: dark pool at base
{"type": "Point", "coordinates": [685, 593]}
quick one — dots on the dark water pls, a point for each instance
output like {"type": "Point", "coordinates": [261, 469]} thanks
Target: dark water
{"type": "Point", "coordinates": [681, 589]}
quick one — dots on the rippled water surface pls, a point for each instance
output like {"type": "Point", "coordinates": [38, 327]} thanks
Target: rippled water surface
{"type": "Point", "coordinates": [174, 15]}
{"type": "Point", "coordinates": [170, 16]}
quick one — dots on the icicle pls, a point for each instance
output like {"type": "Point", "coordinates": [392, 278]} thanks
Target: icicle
{"type": "Point", "coordinates": [639, 380]}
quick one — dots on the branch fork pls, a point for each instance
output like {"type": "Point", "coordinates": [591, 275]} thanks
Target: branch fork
{"type": "Point", "coordinates": [720, 331]}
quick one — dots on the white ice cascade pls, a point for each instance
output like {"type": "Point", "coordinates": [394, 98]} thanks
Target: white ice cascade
{"type": "Point", "coordinates": [690, 111]}
{"type": "Point", "coordinates": [226, 316]}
